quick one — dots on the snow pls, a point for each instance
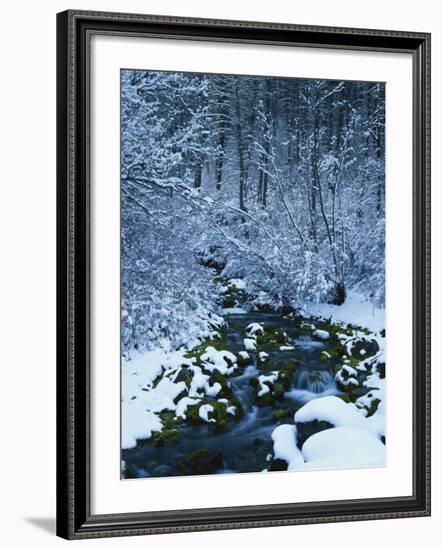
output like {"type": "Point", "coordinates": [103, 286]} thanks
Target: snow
{"type": "Point", "coordinates": [321, 334]}
{"type": "Point", "coordinates": [162, 396]}
{"type": "Point", "coordinates": [141, 401]}
{"type": "Point", "coordinates": [144, 369]}
{"type": "Point", "coordinates": [244, 355]}
{"type": "Point", "coordinates": [223, 361]}
{"type": "Point", "coordinates": [284, 446]}
{"type": "Point", "coordinates": [200, 384]}
{"type": "Point", "coordinates": [286, 348]}
{"type": "Point", "coordinates": [356, 310]}
{"type": "Point", "coordinates": [204, 411]}
{"type": "Point", "coordinates": [213, 391]}
{"type": "Point", "coordinates": [263, 379]}
{"type": "Point", "coordinates": [231, 410]}
{"type": "Point", "coordinates": [250, 344]}
{"type": "Point", "coordinates": [137, 423]}
{"type": "Point", "coordinates": [263, 356]}
{"type": "Point", "coordinates": [334, 410]}
{"type": "Point", "coordinates": [234, 311]}
{"type": "Point", "coordinates": [239, 284]}
{"type": "Point", "coordinates": [253, 329]}
{"type": "Point", "coordinates": [349, 370]}
{"type": "Point", "coordinates": [183, 403]}
{"type": "Point", "coordinates": [342, 447]}
{"type": "Point", "coordinates": [350, 378]}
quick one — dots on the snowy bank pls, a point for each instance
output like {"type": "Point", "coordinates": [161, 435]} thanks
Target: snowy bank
{"type": "Point", "coordinates": [356, 309]}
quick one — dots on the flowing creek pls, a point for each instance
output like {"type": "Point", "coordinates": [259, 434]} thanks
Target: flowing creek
{"type": "Point", "coordinates": [245, 443]}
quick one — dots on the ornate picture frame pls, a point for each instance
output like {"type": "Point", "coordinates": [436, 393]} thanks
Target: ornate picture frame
{"type": "Point", "coordinates": [75, 517]}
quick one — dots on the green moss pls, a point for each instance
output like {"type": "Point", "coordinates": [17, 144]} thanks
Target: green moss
{"type": "Point", "coordinates": [265, 400]}
{"type": "Point", "coordinates": [219, 344]}
{"type": "Point", "coordinates": [281, 413]}
{"type": "Point", "coordinates": [243, 361]}
{"type": "Point", "coordinates": [336, 350]}
{"type": "Point", "coordinates": [228, 301]}
{"type": "Point", "coordinates": [233, 400]}
{"type": "Point", "coordinates": [285, 373]}
{"type": "Point", "coordinates": [278, 391]}
{"type": "Point", "coordinates": [226, 390]}
{"type": "Point", "coordinates": [220, 414]}
{"type": "Point", "coordinates": [166, 436]}
{"type": "Point", "coordinates": [202, 461]}
{"type": "Point", "coordinates": [271, 337]}
{"type": "Point", "coordinates": [192, 414]}
{"type": "Point", "coordinates": [127, 472]}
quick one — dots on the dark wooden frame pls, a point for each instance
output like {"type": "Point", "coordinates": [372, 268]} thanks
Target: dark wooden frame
{"type": "Point", "coordinates": [74, 519]}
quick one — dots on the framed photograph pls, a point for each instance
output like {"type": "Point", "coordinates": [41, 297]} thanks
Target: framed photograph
{"type": "Point", "coordinates": [243, 274]}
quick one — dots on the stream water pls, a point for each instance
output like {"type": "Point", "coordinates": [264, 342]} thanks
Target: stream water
{"type": "Point", "coordinates": [245, 443]}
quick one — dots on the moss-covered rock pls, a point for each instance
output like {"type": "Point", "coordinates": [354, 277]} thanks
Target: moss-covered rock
{"type": "Point", "coordinates": [219, 344]}
{"type": "Point", "coordinates": [347, 378]}
{"type": "Point", "coordinates": [229, 300]}
{"type": "Point", "coordinates": [169, 420]}
{"type": "Point", "coordinates": [281, 413]}
{"type": "Point", "coordinates": [217, 377]}
{"type": "Point", "coordinates": [128, 472]}
{"type": "Point", "coordinates": [243, 358]}
{"type": "Point", "coordinates": [166, 436]}
{"type": "Point", "coordinates": [363, 348]}
{"type": "Point", "coordinates": [261, 359]}
{"type": "Point", "coordinates": [285, 373]}
{"type": "Point", "coordinates": [201, 462]}
{"type": "Point", "coordinates": [273, 337]}
{"type": "Point", "coordinates": [192, 414]}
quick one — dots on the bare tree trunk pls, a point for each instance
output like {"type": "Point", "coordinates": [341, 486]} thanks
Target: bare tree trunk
{"type": "Point", "coordinates": [198, 175]}
{"type": "Point", "coordinates": [241, 150]}
{"type": "Point", "coordinates": [219, 161]}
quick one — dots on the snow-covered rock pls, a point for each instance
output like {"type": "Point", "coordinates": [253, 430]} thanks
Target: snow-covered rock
{"type": "Point", "coordinates": [200, 385]}
{"type": "Point", "coordinates": [250, 344]}
{"type": "Point", "coordinates": [335, 411]}
{"type": "Point", "coordinates": [321, 334]}
{"type": "Point", "coordinates": [253, 329]}
{"type": "Point", "coordinates": [342, 447]}
{"type": "Point", "coordinates": [263, 379]}
{"type": "Point", "coordinates": [204, 412]}
{"type": "Point", "coordinates": [284, 446]}
{"type": "Point", "coordinates": [221, 360]}
{"type": "Point", "coordinates": [183, 403]}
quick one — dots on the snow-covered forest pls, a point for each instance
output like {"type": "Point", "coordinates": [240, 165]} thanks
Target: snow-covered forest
{"type": "Point", "coordinates": [244, 196]}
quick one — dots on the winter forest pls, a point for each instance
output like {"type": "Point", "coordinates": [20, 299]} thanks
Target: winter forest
{"type": "Point", "coordinates": [252, 257]}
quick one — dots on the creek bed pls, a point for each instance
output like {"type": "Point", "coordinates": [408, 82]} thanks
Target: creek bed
{"type": "Point", "coordinates": [245, 443]}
